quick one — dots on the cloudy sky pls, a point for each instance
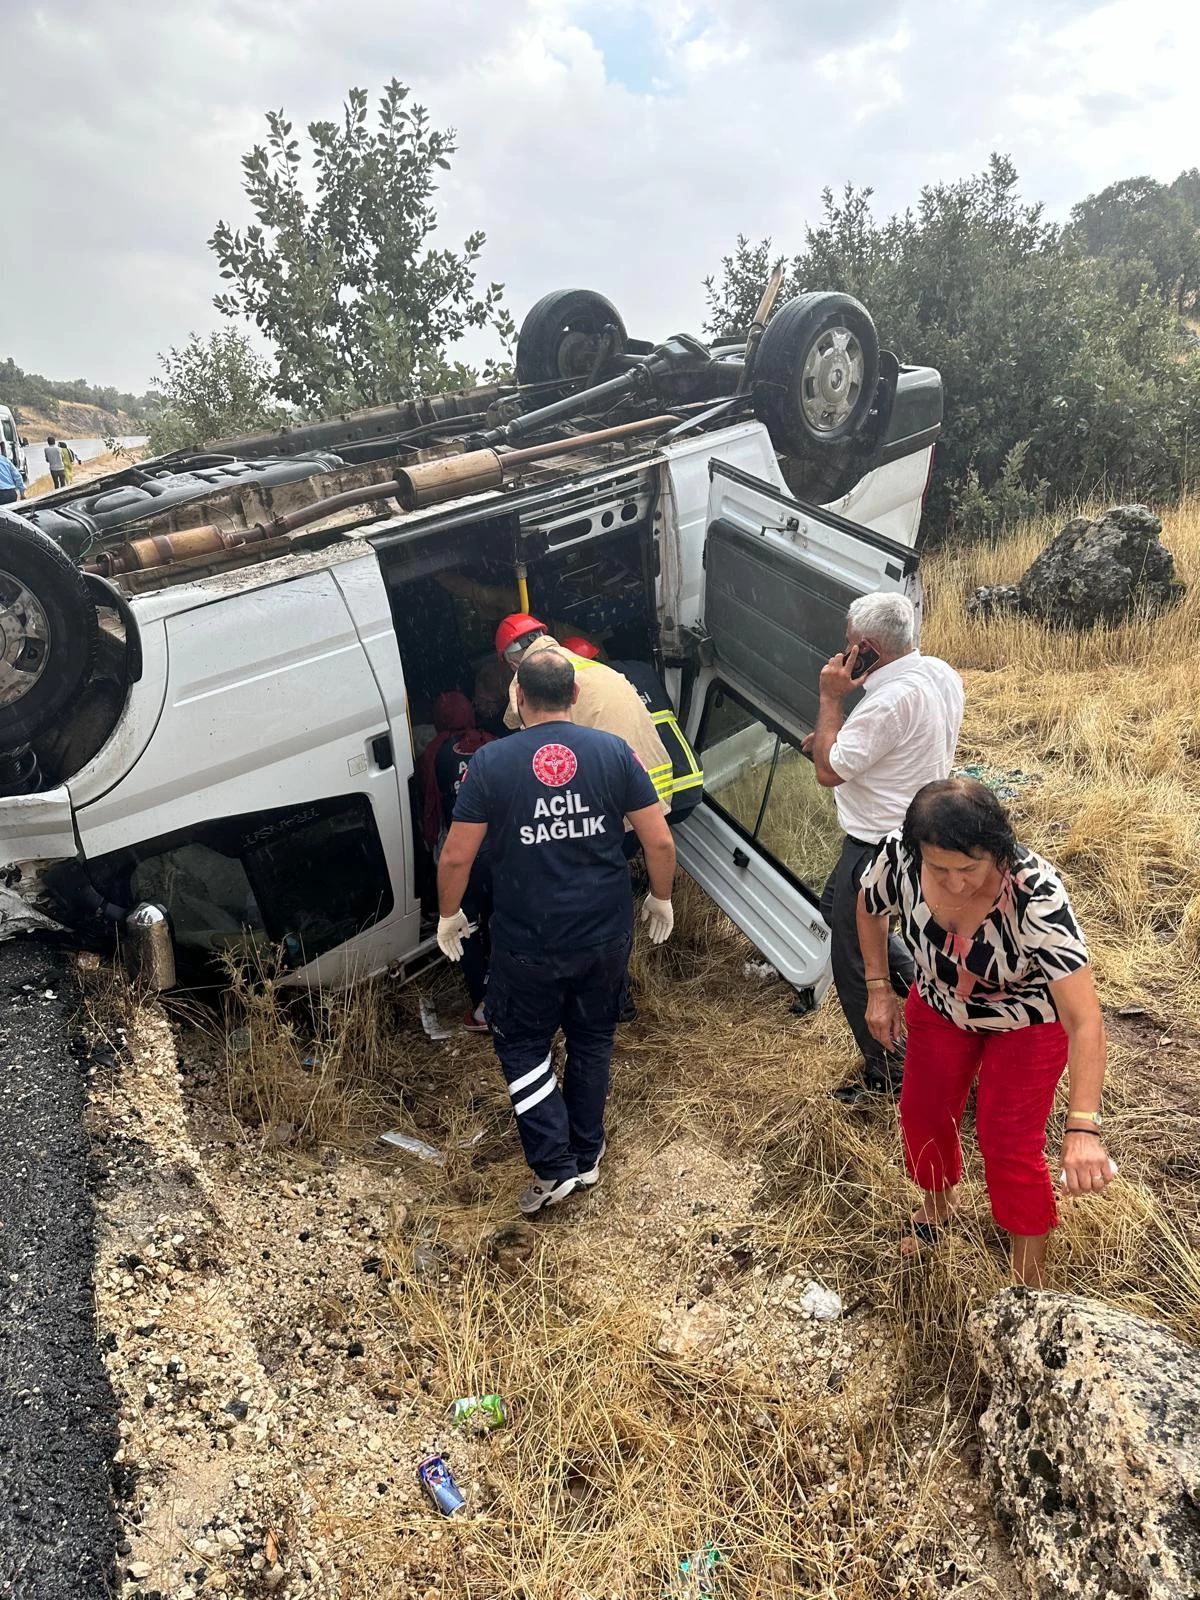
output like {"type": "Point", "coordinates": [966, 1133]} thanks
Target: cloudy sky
{"type": "Point", "coordinates": [614, 144]}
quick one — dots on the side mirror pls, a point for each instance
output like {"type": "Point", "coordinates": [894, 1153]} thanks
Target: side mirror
{"type": "Point", "coordinates": [24, 444]}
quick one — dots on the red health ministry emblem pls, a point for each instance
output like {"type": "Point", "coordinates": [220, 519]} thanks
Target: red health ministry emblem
{"type": "Point", "coordinates": [554, 765]}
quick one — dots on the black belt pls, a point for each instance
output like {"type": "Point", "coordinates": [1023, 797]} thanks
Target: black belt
{"type": "Point", "coordinates": [863, 844]}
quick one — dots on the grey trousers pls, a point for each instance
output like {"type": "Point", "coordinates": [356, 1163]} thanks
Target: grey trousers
{"type": "Point", "coordinates": [839, 907]}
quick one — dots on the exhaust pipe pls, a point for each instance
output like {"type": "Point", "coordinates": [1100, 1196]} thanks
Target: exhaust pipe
{"type": "Point", "coordinates": [161, 549]}
{"type": "Point", "coordinates": [429, 482]}
{"type": "Point", "coordinates": [425, 484]}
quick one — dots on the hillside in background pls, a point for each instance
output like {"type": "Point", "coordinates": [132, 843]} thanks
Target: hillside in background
{"type": "Point", "coordinates": [71, 420]}
{"type": "Point", "coordinates": [73, 407]}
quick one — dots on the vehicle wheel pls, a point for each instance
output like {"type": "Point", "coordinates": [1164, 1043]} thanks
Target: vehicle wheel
{"type": "Point", "coordinates": [560, 337]}
{"type": "Point", "coordinates": [48, 630]}
{"type": "Point", "coordinates": [816, 373]}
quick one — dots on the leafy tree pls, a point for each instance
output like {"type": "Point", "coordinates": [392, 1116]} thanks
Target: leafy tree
{"type": "Point", "coordinates": [211, 389]}
{"type": "Point", "coordinates": [1147, 234]}
{"type": "Point", "coordinates": [359, 308]}
{"type": "Point", "coordinates": [1036, 346]}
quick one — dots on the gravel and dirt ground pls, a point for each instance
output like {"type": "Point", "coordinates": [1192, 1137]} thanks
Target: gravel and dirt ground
{"type": "Point", "coordinates": [287, 1323]}
{"type": "Point", "coordinates": [58, 1413]}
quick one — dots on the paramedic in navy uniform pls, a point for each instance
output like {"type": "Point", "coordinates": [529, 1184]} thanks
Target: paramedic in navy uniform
{"type": "Point", "coordinates": [552, 800]}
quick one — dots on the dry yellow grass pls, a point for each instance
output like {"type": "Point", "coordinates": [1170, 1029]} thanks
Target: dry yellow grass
{"type": "Point", "coordinates": [622, 1458]}
{"type": "Point", "coordinates": [1109, 722]}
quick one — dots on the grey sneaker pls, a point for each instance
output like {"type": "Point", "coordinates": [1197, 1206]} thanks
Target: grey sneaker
{"type": "Point", "coordinates": [545, 1192]}
{"type": "Point", "coordinates": [591, 1177]}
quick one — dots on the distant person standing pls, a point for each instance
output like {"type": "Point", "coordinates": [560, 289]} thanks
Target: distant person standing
{"type": "Point", "coordinates": [56, 463]}
{"type": "Point", "coordinates": [12, 484]}
{"type": "Point", "coordinates": [552, 801]}
{"type": "Point", "coordinates": [70, 460]}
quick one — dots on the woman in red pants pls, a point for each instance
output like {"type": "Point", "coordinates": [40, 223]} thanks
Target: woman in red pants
{"type": "Point", "coordinates": [1003, 994]}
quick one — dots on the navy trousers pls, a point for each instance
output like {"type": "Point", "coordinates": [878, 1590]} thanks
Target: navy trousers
{"type": "Point", "coordinates": [477, 908]}
{"type": "Point", "coordinates": [839, 907]}
{"type": "Point", "coordinates": [528, 999]}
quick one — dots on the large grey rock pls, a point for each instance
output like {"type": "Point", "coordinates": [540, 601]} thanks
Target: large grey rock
{"type": "Point", "coordinates": [1092, 571]}
{"type": "Point", "coordinates": [1091, 1447]}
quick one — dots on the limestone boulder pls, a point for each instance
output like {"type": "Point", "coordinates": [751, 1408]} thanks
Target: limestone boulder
{"type": "Point", "coordinates": [1091, 1447]}
{"type": "Point", "coordinates": [1092, 571]}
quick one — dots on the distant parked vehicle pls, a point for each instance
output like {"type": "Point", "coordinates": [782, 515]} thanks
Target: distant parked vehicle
{"type": "Point", "coordinates": [11, 443]}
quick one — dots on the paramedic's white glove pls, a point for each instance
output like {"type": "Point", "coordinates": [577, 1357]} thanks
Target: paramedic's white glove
{"type": "Point", "coordinates": [659, 917]}
{"type": "Point", "coordinates": [450, 935]}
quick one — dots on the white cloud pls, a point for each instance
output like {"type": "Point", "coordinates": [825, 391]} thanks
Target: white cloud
{"type": "Point", "coordinates": [610, 143]}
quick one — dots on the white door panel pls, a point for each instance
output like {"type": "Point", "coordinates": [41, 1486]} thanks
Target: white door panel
{"type": "Point", "coordinates": [685, 519]}
{"type": "Point", "coordinates": [779, 578]}
{"type": "Point", "coordinates": [273, 701]}
{"type": "Point", "coordinates": [778, 917]}
{"type": "Point", "coordinates": [270, 700]}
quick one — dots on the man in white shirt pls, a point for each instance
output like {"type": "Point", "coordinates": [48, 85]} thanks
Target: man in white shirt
{"type": "Point", "coordinates": [899, 737]}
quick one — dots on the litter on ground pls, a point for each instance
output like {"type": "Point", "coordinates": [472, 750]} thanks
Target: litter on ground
{"type": "Point", "coordinates": [819, 1303]}
{"type": "Point", "coordinates": [413, 1146]}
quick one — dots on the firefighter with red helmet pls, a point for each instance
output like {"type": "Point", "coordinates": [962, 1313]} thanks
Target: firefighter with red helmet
{"type": "Point", "coordinates": [607, 700]}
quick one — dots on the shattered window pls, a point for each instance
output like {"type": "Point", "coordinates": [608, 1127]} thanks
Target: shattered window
{"type": "Point", "coordinates": [758, 778]}
{"type": "Point", "coordinates": [302, 879]}
{"type": "Point", "coordinates": [207, 893]}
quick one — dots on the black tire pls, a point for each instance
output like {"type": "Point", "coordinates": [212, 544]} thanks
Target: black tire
{"type": "Point", "coordinates": [48, 631]}
{"type": "Point", "coordinates": [561, 335]}
{"type": "Point", "coordinates": [816, 373]}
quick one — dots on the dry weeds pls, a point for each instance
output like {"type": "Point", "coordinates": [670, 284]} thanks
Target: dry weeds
{"type": "Point", "coordinates": [621, 1458]}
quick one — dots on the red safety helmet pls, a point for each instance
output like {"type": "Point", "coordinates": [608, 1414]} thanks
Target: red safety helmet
{"type": "Point", "coordinates": [581, 647]}
{"type": "Point", "coordinates": [515, 627]}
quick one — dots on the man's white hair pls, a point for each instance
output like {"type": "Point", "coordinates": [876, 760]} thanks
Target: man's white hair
{"type": "Point", "coordinates": [889, 619]}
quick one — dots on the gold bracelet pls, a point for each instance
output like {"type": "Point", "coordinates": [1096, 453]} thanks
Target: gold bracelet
{"type": "Point", "coordinates": [875, 983]}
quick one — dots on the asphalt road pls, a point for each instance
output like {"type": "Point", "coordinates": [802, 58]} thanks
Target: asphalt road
{"type": "Point", "coordinates": [57, 1414]}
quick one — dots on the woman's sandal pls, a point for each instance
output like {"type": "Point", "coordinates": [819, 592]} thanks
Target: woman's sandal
{"type": "Point", "coordinates": [927, 1232]}
{"type": "Point", "coordinates": [924, 1233]}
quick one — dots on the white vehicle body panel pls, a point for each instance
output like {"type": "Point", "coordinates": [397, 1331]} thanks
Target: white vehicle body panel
{"type": "Point", "coordinates": [136, 727]}
{"type": "Point", "coordinates": [35, 831]}
{"type": "Point", "coordinates": [273, 697]}
{"type": "Point", "coordinates": [685, 519]}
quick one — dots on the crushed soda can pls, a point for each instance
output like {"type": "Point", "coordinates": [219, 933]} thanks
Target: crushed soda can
{"type": "Point", "coordinates": [438, 1483]}
{"type": "Point", "coordinates": [487, 1409]}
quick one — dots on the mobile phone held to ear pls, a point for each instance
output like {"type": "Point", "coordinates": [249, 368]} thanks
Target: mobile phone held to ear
{"type": "Point", "coordinates": [866, 660]}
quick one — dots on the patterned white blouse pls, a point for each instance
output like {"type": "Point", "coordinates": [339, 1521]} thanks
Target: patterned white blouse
{"type": "Point", "coordinates": [999, 978]}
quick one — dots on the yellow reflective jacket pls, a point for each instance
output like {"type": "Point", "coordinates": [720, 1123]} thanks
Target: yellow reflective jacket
{"type": "Point", "coordinates": [608, 701]}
